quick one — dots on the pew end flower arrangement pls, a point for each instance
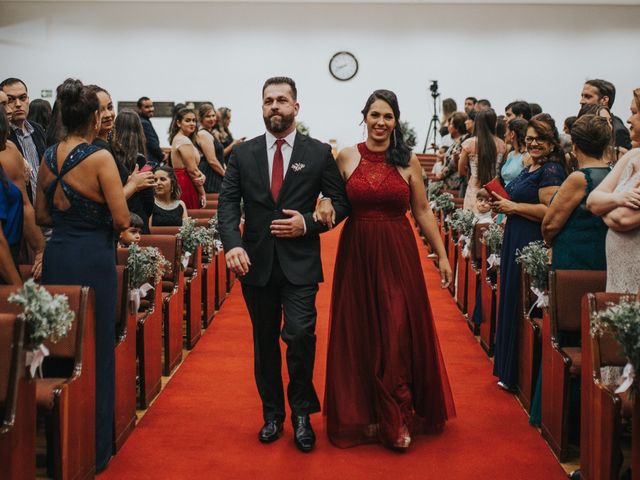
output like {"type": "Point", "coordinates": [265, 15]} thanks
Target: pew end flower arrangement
{"type": "Point", "coordinates": [47, 317]}
{"type": "Point", "coordinates": [145, 264]}
{"type": "Point", "coordinates": [443, 202]}
{"type": "Point", "coordinates": [534, 259]}
{"type": "Point", "coordinates": [193, 236]}
{"type": "Point", "coordinates": [462, 222]}
{"type": "Point", "coordinates": [623, 321]}
{"type": "Point", "coordinates": [492, 238]}
{"type": "Point", "coordinates": [434, 188]}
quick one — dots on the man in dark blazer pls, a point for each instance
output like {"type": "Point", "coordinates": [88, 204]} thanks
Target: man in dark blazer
{"type": "Point", "coordinates": [279, 176]}
{"type": "Point", "coordinates": [28, 136]}
{"type": "Point", "coordinates": [146, 111]}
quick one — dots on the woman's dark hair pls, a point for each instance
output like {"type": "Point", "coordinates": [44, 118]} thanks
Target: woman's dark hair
{"type": "Point", "coordinates": [591, 134]}
{"type": "Point", "coordinates": [501, 127]}
{"type": "Point", "coordinates": [77, 106]}
{"type": "Point", "coordinates": [485, 131]}
{"type": "Point", "coordinates": [40, 112]}
{"type": "Point", "coordinates": [398, 153]}
{"type": "Point", "coordinates": [545, 126]}
{"type": "Point", "coordinates": [457, 120]}
{"type": "Point", "coordinates": [135, 221]}
{"type": "Point", "coordinates": [55, 131]}
{"type": "Point", "coordinates": [174, 128]}
{"type": "Point", "coordinates": [535, 109]}
{"type": "Point", "coordinates": [4, 128]}
{"type": "Point", "coordinates": [128, 140]}
{"type": "Point", "coordinates": [519, 127]}
{"type": "Point", "coordinates": [176, 191]}
{"type": "Point", "coordinates": [569, 121]}
{"type": "Point", "coordinates": [593, 109]}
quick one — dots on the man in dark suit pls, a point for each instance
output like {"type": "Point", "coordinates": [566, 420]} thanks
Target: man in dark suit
{"type": "Point", "coordinates": [29, 137]}
{"type": "Point", "coordinates": [603, 92]}
{"type": "Point", "coordinates": [146, 111]}
{"type": "Point", "coordinates": [279, 176]}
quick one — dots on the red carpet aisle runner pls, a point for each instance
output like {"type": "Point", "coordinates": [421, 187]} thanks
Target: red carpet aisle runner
{"type": "Point", "coordinates": [204, 424]}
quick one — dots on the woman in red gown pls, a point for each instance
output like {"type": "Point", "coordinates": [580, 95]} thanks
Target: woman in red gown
{"type": "Point", "coordinates": [386, 379]}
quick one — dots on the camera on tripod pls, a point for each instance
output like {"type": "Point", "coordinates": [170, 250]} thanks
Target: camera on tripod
{"type": "Point", "coordinates": [433, 88]}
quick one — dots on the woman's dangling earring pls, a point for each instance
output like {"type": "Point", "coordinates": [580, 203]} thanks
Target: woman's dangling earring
{"type": "Point", "coordinates": [364, 132]}
{"type": "Point", "coordinates": [395, 142]}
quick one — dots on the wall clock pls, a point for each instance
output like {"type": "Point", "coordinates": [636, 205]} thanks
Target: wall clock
{"type": "Point", "coordinates": [343, 66]}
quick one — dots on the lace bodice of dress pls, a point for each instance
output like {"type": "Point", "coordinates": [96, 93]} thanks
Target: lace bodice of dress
{"type": "Point", "coordinates": [376, 190]}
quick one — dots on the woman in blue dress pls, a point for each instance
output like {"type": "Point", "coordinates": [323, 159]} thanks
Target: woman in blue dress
{"type": "Point", "coordinates": [530, 193]}
{"type": "Point", "coordinates": [81, 197]}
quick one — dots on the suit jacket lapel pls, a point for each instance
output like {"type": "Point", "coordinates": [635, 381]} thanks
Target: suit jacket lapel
{"type": "Point", "coordinates": [299, 147]}
{"type": "Point", "coordinates": [262, 163]}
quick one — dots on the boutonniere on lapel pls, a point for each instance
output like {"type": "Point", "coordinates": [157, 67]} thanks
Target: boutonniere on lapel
{"type": "Point", "coordinates": [296, 167]}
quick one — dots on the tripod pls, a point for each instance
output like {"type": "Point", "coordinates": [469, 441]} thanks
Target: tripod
{"type": "Point", "coordinates": [432, 131]}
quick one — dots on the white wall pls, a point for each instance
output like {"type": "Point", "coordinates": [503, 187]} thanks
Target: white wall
{"type": "Point", "coordinates": [224, 51]}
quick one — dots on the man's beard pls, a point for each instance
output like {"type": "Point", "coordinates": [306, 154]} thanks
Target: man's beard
{"type": "Point", "coordinates": [279, 123]}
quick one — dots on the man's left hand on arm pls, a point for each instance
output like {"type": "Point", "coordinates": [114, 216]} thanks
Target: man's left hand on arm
{"type": "Point", "coordinates": [289, 227]}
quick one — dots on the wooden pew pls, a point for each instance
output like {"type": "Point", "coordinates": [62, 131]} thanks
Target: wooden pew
{"type": "Point", "coordinates": [601, 409]}
{"type": "Point", "coordinates": [529, 350]}
{"type": "Point", "coordinates": [211, 205]}
{"type": "Point", "coordinates": [148, 339]}
{"type": "Point", "coordinates": [67, 393]}
{"type": "Point", "coordinates": [559, 363]}
{"type": "Point", "coordinates": [212, 196]}
{"type": "Point", "coordinates": [462, 272]}
{"type": "Point", "coordinates": [490, 299]}
{"type": "Point", "coordinates": [202, 213]}
{"type": "Point", "coordinates": [209, 278]}
{"type": "Point", "coordinates": [172, 297]}
{"type": "Point", "coordinates": [473, 275]}
{"type": "Point", "coordinates": [192, 292]}
{"type": "Point", "coordinates": [125, 400]}
{"type": "Point", "coordinates": [17, 404]}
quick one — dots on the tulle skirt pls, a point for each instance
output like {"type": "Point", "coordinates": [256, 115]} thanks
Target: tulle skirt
{"type": "Point", "coordinates": [385, 373]}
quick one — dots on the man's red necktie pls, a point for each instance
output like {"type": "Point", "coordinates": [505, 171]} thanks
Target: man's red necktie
{"type": "Point", "coordinates": [277, 172]}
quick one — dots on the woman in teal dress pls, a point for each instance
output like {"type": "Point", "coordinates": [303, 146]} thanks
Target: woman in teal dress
{"type": "Point", "coordinates": [576, 235]}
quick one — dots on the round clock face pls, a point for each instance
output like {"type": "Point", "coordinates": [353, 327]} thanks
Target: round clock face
{"type": "Point", "coordinates": [343, 66]}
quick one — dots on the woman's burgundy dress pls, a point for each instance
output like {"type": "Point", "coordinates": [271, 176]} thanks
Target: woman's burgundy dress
{"type": "Point", "coordinates": [385, 372]}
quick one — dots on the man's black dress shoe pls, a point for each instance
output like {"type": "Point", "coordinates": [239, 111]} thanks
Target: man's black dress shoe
{"type": "Point", "coordinates": [303, 435]}
{"type": "Point", "coordinates": [270, 431]}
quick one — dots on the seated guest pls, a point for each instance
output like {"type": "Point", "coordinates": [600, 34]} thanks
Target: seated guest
{"type": "Point", "coordinates": [439, 163]}
{"type": "Point", "coordinates": [515, 162]}
{"type": "Point", "coordinates": [168, 210]}
{"type": "Point", "coordinates": [530, 193]}
{"type": "Point", "coordinates": [617, 200]}
{"type": "Point", "coordinates": [602, 92]}
{"type": "Point", "coordinates": [211, 163]}
{"type": "Point", "coordinates": [576, 235]}
{"type": "Point", "coordinates": [185, 157]}
{"type": "Point", "coordinates": [146, 112]}
{"type": "Point", "coordinates": [483, 207]}
{"type": "Point", "coordinates": [128, 146]}
{"type": "Point", "coordinates": [133, 233]}
{"type": "Point", "coordinates": [80, 197]}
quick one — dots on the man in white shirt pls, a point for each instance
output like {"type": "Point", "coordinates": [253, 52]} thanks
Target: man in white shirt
{"type": "Point", "coordinates": [279, 176]}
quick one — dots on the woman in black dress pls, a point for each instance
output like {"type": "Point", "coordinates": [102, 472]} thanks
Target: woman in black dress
{"type": "Point", "coordinates": [168, 210]}
{"type": "Point", "coordinates": [80, 197]}
{"type": "Point", "coordinates": [211, 162]}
